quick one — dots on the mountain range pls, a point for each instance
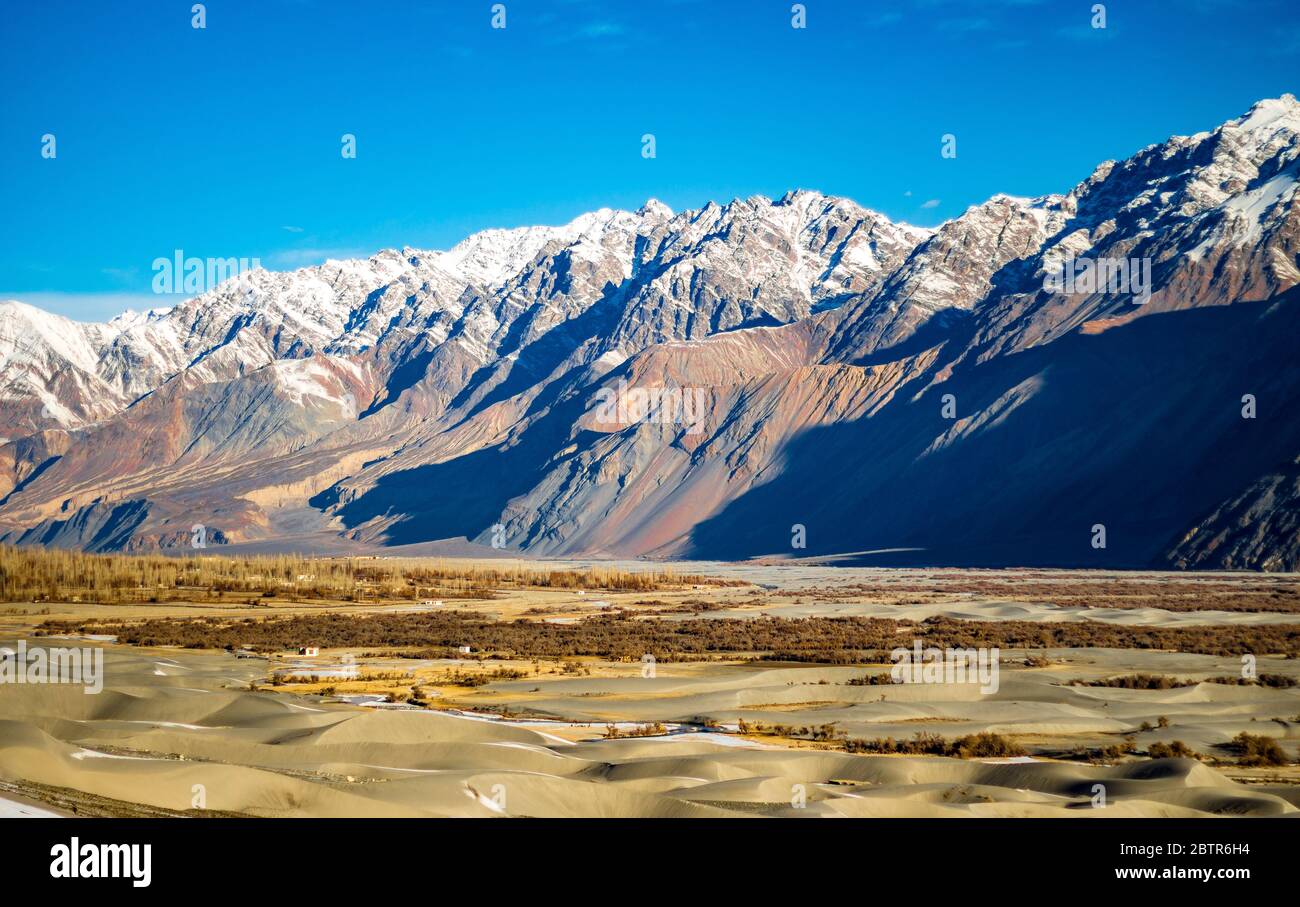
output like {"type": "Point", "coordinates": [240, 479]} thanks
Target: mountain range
{"type": "Point", "coordinates": [870, 391]}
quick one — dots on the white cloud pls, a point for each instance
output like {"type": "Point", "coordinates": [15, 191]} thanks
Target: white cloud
{"type": "Point", "coordinates": [290, 259]}
{"type": "Point", "coordinates": [601, 30]}
{"type": "Point", "coordinates": [91, 306]}
{"type": "Point", "coordinates": [932, 203]}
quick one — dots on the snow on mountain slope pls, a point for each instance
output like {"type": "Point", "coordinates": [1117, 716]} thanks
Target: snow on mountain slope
{"type": "Point", "coordinates": [949, 272]}
{"type": "Point", "coordinates": [48, 371]}
{"type": "Point", "coordinates": [1211, 213]}
{"type": "Point", "coordinates": [30, 335]}
{"type": "Point", "coordinates": [445, 334]}
{"type": "Point", "coordinates": [418, 395]}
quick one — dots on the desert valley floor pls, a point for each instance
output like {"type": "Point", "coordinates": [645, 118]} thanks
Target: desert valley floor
{"type": "Point", "coordinates": [193, 720]}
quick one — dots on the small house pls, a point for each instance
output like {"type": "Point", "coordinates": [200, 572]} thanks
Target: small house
{"type": "Point", "coordinates": [309, 651]}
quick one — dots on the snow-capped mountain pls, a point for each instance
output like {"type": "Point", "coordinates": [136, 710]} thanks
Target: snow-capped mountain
{"type": "Point", "coordinates": [882, 385]}
{"type": "Point", "coordinates": [49, 369]}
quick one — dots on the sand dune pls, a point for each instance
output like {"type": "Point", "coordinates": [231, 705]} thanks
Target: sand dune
{"type": "Point", "coordinates": [150, 738]}
{"type": "Point", "coordinates": [170, 719]}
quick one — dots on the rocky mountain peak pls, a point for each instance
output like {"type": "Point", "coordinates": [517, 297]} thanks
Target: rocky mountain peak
{"type": "Point", "coordinates": [422, 394]}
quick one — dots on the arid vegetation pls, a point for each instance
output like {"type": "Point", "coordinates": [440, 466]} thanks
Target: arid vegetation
{"type": "Point", "coordinates": [971, 746]}
{"type": "Point", "coordinates": [1278, 594]}
{"type": "Point", "coordinates": [483, 678]}
{"type": "Point", "coordinates": [1250, 750]}
{"type": "Point", "coordinates": [871, 680]}
{"type": "Point", "coordinates": [1137, 682]}
{"type": "Point", "coordinates": [1256, 750]}
{"type": "Point", "coordinates": [821, 733]}
{"type": "Point", "coordinates": [651, 729]}
{"type": "Point", "coordinates": [1164, 682]}
{"type": "Point", "coordinates": [1277, 681]}
{"type": "Point", "coordinates": [821, 640]}
{"type": "Point", "coordinates": [44, 575]}
{"type": "Point", "coordinates": [1174, 749]}
{"type": "Point", "coordinates": [1111, 752]}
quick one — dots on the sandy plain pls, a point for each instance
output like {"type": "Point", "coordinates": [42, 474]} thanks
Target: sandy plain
{"type": "Point", "coordinates": [208, 732]}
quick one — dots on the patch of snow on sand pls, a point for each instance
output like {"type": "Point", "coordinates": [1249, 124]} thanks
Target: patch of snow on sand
{"type": "Point", "coordinates": [302, 708]}
{"type": "Point", "coordinates": [12, 809]}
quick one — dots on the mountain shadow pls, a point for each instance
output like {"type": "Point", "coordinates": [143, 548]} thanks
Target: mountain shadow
{"type": "Point", "coordinates": [465, 495]}
{"type": "Point", "coordinates": [1138, 429]}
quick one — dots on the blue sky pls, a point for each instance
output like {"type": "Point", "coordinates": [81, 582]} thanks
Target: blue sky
{"type": "Point", "coordinates": [226, 141]}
